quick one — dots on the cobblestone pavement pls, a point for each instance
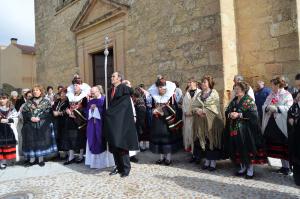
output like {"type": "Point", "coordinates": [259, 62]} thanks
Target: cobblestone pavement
{"type": "Point", "coordinates": [147, 180]}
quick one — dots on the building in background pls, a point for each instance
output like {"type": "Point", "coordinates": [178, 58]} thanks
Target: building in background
{"type": "Point", "coordinates": [17, 65]}
{"type": "Point", "coordinates": [176, 38]}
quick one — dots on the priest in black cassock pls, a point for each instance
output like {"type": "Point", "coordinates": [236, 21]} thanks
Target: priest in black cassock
{"type": "Point", "coordinates": [119, 125]}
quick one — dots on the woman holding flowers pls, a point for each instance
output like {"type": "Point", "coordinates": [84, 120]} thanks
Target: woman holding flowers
{"type": "Point", "coordinates": [274, 123]}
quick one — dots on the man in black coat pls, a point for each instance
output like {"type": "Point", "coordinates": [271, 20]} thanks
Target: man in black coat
{"type": "Point", "coordinates": [119, 125]}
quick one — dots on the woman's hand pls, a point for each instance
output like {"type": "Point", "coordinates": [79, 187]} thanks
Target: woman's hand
{"type": "Point", "coordinates": [234, 115]}
{"type": "Point", "coordinates": [4, 121]}
{"type": "Point", "coordinates": [291, 121]}
{"type": "Point", "coordinates": [35, 119]}
{"type": "Point", "coordinates": [55, 113]}
{"type": "Point", "coordinates": [68, 111]}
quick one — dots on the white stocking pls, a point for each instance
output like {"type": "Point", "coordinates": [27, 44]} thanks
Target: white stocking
{"type": "Point", "coordinates": [213, 163]}
{"type": "Point", "coordinates": [41, 159]}
{"type": "Point", "coordinates": [71, 155]}
{"type": "Point", "coordinates": [243, 169]}
{"type": "Point", "coordinates": [207, 162]}
{"type": "Point", "coordinates": [161, 156]}
{"type": "Point", "coordinates": [81, 153]}
{"type": "Point", "coordinates": [32, 160]}
{"type": "Point", "coordinates": [250, 170]}
{"type": "Point", "coordinates": [3, 162]}
{"type": "Point", "coordinates": [168, 156]}
{"type": "Point", "coordinates": [285, 164]}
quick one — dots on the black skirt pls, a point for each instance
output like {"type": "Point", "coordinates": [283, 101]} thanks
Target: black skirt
{"type": "Point", "coordinates": [38, 139]}
{"type": "Point", "coordinates": [71, 137]}
{"type": "Point", "coordinates": [162, 140]}
{"type": "Point", "coordinates": [7, 136]}
{"type": "Point", "coordinates": [276, 141]}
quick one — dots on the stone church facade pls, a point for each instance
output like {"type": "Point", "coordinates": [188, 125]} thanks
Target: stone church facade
{"type": "Point", "coordinates": [176, 38]}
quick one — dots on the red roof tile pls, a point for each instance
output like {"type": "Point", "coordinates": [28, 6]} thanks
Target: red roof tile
{"type": "Point", "coordinates": [26, 49]}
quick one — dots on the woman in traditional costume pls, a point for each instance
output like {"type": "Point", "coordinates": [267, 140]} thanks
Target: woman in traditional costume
{"type": "Point", "coordinates": [243, 139]}
{"type": "Point", "coordinates": [59, 112]}
{"type": "Point", "coordinates": [274, 123]}
{"type": "Point", "coordinates": [37, 132]}
{"type": "Point", "coordinates": [208, 124]}
{"type": "Point", "coordinates": [187, 115]}
{"type": "Point", "coordinates": [165, 137]}
{"type": "Point", "coordinates": [73, 138]}
{"type": "Point", "coordinates": [8, 141]}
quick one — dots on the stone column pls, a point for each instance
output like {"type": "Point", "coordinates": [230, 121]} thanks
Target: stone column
{"type": "Point", "coordinates": [229, 46]}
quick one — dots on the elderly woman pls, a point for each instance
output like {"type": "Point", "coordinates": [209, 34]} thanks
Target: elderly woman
{"type": "Point", "coordinates": [165, 137]}
{"type": "Point", "coordinates": [274, 123]}
{"type": "Point", "coordinates": [208, 125]}
{"type": "Point", "coordinates": [243, 140]}
{"type": "Point", "coordinates": [37, 132]}
{"type": "Point", "coordinates": [294, 138]}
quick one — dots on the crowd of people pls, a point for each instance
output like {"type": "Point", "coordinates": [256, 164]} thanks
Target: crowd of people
{"type": "Point", "coordinates": [80, 124]}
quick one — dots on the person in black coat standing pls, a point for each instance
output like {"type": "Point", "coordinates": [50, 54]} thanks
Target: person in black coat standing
{"type": "Point", "coordinates": [119, 125]}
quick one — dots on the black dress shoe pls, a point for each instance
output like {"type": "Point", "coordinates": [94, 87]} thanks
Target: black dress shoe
{"type": "Point", "coordinates": [249, 177]}
{"type": "Point", "coordinates": [134, 159]}
{"type": "Point", "coordinates": [160, 161]}
{"type": "Point", "coordinates": [143, 150]}
{"type": "Point", "coordinates": [284, 171]}
{"type": "Point", "coordinates": [3, 166]}
{"type": "Point", "coordinates": [240, 174]}
{"type": "Point", "coordinates": [41, 164]}
{"type": "Point", "coordinates": [29, 164]}
{"type": "Point", "coordinates": [114, 172]}
{"type": "Point", "coordinates": [123, 175]}
{"type": "Point", "coordinates": [197, 161]}
{"type": "Point", "coordinates": [79, 160]}
{"type": "Point", "coordinates": [204, 167]}
{"type": "Point", "coordinates": [168, 162]}
{"type": "Point", "coordinates": [192, 160]}
{"type": "Point", "coordinates": [211, 169]}
{"type": "Point", "coordinates": [70, 162]}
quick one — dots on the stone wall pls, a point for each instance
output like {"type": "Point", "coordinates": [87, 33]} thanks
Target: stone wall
{"type": "Point", "coordinates": [178, 39]}
{"type": "Point", "coordinates": [268, 41]}
{"type": "Point", "coordinates": [56, 47]}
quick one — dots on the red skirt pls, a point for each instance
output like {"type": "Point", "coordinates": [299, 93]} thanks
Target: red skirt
{"type": "Point", "coordinates": [7, 153]}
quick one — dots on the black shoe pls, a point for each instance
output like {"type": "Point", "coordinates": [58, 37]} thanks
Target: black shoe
{"type": "Point", "coordinates": [123, 175]}
{"type": "Point", "coordinates": [29, 164]}
{"type": "Point", "coordinates": [143, 150]}
{"type": "Point", "coordinates": [3, 166]}
{"type": "Point", "coordinates": [79, 160]}
{"type": "Point", "coordinates": [284, 171]}
{"type": "Point", "coordinates": [134, 159]}
{"type": "Point", "coordinates": [197, 161]}
{"type": "Point", "coordinates": [240, 174]}
{"type": "Point", "coordinates": [70, 162]}
{"type": "Point", "coordinates": [41, 164]}
{"type": "Point", "coordinates": [192, 160]}
{"type": "Point", "coordinates": [249, 177]}
{"type": "Point", "coordinates": [168, 162]}
{"type": "Point", "coordinates": [114, 172]}
{"type": "Point", "coordinates": [204, 167]}
{"type": "Point", "coordinates": [160, 161]}
{"type": "Point", "coordinates": [211, 169]}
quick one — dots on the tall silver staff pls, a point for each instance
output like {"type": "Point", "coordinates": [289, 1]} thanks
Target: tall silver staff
{"type": "Point", "coordinates": [106, 52]}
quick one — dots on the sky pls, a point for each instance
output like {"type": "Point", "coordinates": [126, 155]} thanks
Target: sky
{"type": "Point", "coordinates": [17, 21]}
